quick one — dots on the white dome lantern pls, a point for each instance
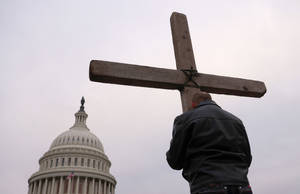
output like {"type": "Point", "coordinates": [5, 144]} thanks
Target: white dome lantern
{"type": "Point", "coordinates": [75, 163]}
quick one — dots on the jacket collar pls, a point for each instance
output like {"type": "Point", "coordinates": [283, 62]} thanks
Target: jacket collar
{"type": "Point", "coordinates": [207, 102]}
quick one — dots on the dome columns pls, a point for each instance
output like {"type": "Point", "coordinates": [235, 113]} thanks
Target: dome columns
{"type": "Point", "coordinates": [52, 185]}
{"type": "Point", "coordinates": [73, 185]}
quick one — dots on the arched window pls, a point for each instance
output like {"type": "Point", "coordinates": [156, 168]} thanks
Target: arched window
{"type": "Point", "coordinates": [56, 163]}
{"type": "Point", "coordinates": [62, 161]}
{"type": "Point", "coordinates": [88, 163]}
{"type": "Point", "coordinates": [94, 164]}
{"type": "Point", "coordinates": [82, 161]}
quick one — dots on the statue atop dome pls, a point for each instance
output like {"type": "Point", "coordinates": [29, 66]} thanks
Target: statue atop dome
{"type": "Point", "coordinates": [82, 103]}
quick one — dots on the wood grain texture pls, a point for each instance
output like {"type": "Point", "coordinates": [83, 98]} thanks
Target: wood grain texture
{"type": "Point", "coordinates": [144, 76]}
{"type": "Point", "coordinates": [182, 43]}
{"type": "Point", "coordinates": [184, 54]}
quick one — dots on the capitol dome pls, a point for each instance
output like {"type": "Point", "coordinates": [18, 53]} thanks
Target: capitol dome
{"type": "Point", "coordinates": [74, 164]}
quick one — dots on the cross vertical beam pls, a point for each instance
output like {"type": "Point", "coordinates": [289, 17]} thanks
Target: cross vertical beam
{"type": "Point", "coordinates": [182, 43]}
{"type": "Point", "coordinates": [184, 54]}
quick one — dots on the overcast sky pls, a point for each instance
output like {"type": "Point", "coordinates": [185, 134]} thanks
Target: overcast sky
{"type": "Point", "coordinates": [45, 50]}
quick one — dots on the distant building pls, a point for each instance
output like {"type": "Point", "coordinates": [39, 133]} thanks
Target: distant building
{"type": "Point", "coordinates": [75, 164]}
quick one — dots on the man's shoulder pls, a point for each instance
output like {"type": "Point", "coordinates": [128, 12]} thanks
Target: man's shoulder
{"type": "Point", "coordinates": [207, 110]}
{"type": "Point", "coordinates": [184, 116]}
{"type": "Point", "coordinates": [199, 111]}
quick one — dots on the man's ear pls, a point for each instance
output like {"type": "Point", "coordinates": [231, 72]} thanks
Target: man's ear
{"type": "Point", "coordinates": [194, 104]}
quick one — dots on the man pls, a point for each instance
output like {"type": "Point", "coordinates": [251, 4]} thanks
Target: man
{"type": "Point", "coordinates": [212, 147]}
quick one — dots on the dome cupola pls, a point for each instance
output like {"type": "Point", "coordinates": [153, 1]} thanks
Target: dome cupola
{"type": "Point", "coordinates": [78, 135]}
{"type": "Point", "coordinates": [80, 117]}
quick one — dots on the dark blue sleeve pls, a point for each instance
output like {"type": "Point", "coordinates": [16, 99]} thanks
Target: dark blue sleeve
{"type": "Point", "coordinates": [178, 145]}
{"type": "Point", "coordinates": [248, 149]}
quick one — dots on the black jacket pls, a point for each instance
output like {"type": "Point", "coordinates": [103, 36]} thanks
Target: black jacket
{"type": "Point", "coordinates": [211, 146]}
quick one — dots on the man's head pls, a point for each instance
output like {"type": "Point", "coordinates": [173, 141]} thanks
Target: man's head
{"type": "Point", "coordinates": [200, 97]}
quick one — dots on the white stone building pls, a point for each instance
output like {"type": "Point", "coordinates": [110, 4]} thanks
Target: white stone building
{"type": "Point", "coordinates": [75, 164]}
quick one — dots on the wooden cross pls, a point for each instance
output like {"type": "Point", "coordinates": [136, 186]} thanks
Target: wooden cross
{"type": "Point", "coordinates": [186, 78]}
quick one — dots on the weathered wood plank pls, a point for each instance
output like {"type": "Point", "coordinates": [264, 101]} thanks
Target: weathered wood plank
{"type": "Point", "coordinates": [230, 85]}
{"type": "Point", "coordinates": [184, 55]}
{"type": "Point", "coordinates": [136, 75]}
{"type": "Point", "coordinates": [182, 43]}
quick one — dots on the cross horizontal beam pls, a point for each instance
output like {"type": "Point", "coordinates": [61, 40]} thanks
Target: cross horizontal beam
{"type": "Point", "coordinates": [136, 75]}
